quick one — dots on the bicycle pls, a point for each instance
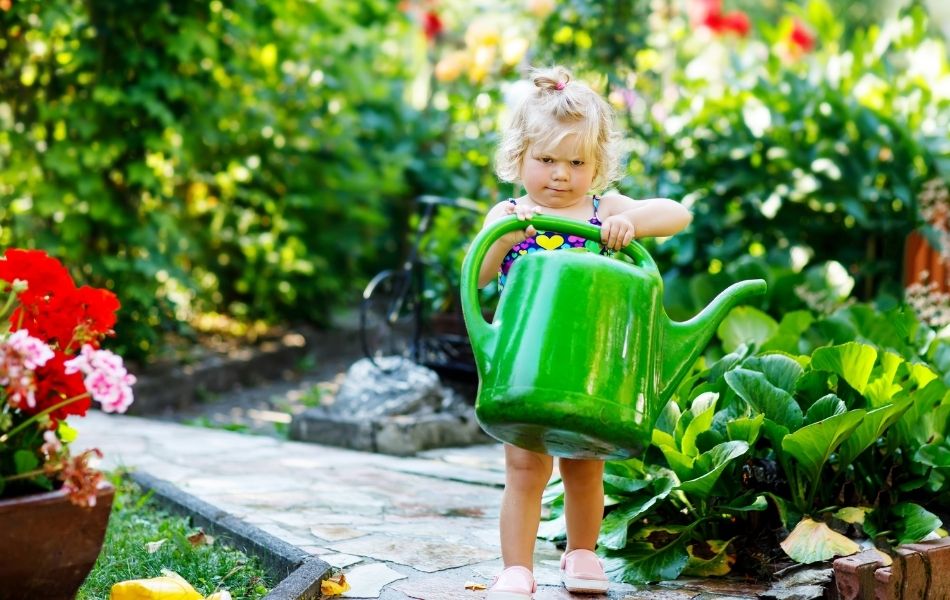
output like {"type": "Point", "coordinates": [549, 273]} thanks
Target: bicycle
{"type": "Point", "coordinates": [412, 311]}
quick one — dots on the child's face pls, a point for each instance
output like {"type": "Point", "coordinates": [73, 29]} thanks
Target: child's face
{"type": "Point", "coordinates": [557, 176]}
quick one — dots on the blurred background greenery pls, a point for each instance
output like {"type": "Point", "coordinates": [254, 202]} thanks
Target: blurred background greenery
{"type": "Point", "coordinates": [257, 159]}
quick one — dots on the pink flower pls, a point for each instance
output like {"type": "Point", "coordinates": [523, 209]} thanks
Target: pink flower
{"type": "Point", "coordinates": [20, 356]}
{"type": "Point", "coordinates": [105, 378]}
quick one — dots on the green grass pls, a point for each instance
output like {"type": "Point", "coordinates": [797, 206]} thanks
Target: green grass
{"type": "Point", "coordinates": [137, 521]}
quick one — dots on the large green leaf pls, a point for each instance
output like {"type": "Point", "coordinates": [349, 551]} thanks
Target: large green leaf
{"type": "Point", "coordinates": [712, 462]}
{"type": "Point", "coordinates": [780, 370]}
{"type": "Point", "coordinates": [775, 403]}
{"type": "Point", "coordinates": [742, 504]}
{"type": "Point", "coordinates": [703, 408]}
{"type": "Point", "coordinates": [746, 325]}
{"type": "Point", "coordinates": [613, 529]}
{"type": "Point", "coordinates": [790, 330]}
{"type": "Point", "coordinates": [745, 428]}
{"type": "Point", "coordinates": [823, 408]}
{"type": "Point", "coordinates": [852, 361]}
{"type": "Point", "coordinates": [642, 562]}
{"type": "Point", "coordinates": [912, 522]}
{"type": "Point", "coordinates": [813, 444]}
{"type": "Point", "coordinates": [873, 426]}
{"type": "Point", "coordinates": [668, 418]}
{"type": "Point", "coordinates": [882, 388]}
{"type": "Point", "coordinates": [936, 454]}
{"type": "Point", "coordinates": [680, 463]}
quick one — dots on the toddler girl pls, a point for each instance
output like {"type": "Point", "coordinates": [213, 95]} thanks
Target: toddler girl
{"type": "Point", "coordinates": [560, 144]}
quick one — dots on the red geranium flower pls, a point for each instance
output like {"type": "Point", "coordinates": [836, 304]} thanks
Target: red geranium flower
{"type": "Point", "coordinates": [431, 24]}
{"type": "Point", "coordinates": [83, 316]}
{"type": "Point", "coordinates": [51, 368]}
{"type": "Point", "coordinates": [44, 275]}
{"type": "Point", "coordinates": [709, 14]}
{"type": "Point", "coordinates": [801, 38]}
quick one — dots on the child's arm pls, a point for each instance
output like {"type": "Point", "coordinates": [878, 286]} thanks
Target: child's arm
{"type": "Point", "coordinates": [500, 248]}
{"type": "Point", "coordinates": [624, 219]}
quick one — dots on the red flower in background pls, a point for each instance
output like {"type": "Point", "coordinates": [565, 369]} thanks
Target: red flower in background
{"type": "Point", "coordinates": [801, 38]}
{"type": "Point", "coordinates": [432, 25]}
{"type": "Point", "coordinates": [708, 13]}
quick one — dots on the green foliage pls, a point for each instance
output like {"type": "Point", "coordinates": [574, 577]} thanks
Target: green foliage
{"type": "Point", "coordinates": [855, 418]}
{"type": "Point", "coordinates": [193, 155]}
{"type": "Point", "coordinates": [820, 157]}
{"type": "Point", "coordinates": [135, 522]}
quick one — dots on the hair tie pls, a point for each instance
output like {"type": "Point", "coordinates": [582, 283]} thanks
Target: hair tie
{"type": "Point", "coordinates": [559, 85]}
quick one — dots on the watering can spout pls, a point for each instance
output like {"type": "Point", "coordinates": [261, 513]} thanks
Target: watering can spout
{"type": "Point", "coordinates": [684, 342]}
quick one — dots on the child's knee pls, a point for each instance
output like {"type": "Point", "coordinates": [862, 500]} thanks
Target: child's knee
{"type": "Point", "coordinates": [528, 469]}
{"type": "Point", "coordinates": [581, 471]}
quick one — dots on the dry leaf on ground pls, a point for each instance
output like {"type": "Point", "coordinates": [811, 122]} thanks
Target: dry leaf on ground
{"type": "Point", "coordinates": [475, 587]}
{"type": "Point", "coordinates": [335, 585]}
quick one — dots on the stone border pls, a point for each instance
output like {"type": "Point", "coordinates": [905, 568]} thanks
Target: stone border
{"type": "Point", "coordinates": [399, 435]}
{"type": "Point", "coordinates": [918, 571]}
{"type": "Point", "coordinates": [300, 573]}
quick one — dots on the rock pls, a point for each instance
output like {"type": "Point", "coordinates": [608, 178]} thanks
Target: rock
{"type": "Point", "coordinates": [805, 584]}
{"type": "Point", "coordinates": [400, 387]}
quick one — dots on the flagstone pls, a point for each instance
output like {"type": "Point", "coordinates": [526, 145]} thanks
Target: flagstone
{"type": "Point", "coordinates": [421, 554]}
{"type": "Point", "coordinates": [367, 581]}
{"type": "Point", "coordinates": [335, 533]}
{"type": "Point", "coordinates": [338, 560]}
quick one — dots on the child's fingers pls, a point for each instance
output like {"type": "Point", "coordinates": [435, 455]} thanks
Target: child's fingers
{"type": "Point", "coordinates": [613, 231]}
{"type": "Point", "coordinates": [627, 238]}
{"type": "Point", "coordinates": [530, 230]}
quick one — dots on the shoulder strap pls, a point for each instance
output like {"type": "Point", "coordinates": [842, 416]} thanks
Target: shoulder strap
{"type": "Point", "coordinates": [596, 204]}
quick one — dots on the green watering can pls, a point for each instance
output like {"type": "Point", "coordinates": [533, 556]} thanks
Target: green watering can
{"type": "Point", "coordinates": [580, 357]}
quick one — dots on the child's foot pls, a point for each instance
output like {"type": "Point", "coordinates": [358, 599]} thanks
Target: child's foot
{"type": "Point", "coordinates": [582, 572]}
{"type": "Point", "coordinates": [514, 583]}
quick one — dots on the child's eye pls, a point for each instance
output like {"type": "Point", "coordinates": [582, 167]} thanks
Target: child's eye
{"type": "Point", "coordinates": [547, 160]}
{"type": "Point", "coordinates": [577, 163]}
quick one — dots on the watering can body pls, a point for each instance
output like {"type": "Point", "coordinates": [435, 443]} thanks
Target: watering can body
{"type": "Point", "coordinates": [580, 357]}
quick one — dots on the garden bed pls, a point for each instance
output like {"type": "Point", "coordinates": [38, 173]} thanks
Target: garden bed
{"type": "Point", "coordinates": [243, 559]}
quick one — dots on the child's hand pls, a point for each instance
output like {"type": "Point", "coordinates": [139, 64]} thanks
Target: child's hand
{"type": "Point", "coordinates": [616, 232]}
{"type": "Point", "coordinates": [524, 213]}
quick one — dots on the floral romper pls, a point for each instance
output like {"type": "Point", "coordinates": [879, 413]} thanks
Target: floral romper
{"type": "Point", "coordinates": [543, 240]}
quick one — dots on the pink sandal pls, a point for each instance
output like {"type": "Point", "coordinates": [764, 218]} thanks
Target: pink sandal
{"type": "Point", "coordinates": [583, 572]}
{"type": "Point", "coordinates": [514, 583]}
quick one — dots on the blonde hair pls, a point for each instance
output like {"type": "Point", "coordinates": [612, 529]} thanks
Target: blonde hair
{"type": "Point", "coordinates": [556, 108]}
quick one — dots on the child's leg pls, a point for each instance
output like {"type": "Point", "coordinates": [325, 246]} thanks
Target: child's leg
{"type": "Point", "coordinates": [583, 501]}
{"type": "Point", "coordinates": [526, 475]}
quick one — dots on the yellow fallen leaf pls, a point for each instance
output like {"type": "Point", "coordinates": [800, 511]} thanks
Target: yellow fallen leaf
{"type": "Point", "coordinates": [170, 586]}
{"type": "Point", "coordinates": [813, 541]}
{"type": "Point", "coordinates": [334, 586]}
{"type": "Point", "coordinates": [152, 547]}
{"type": "Point", "coordinates": [475, 587]}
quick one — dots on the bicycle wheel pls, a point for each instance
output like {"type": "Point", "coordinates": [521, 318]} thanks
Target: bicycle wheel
{"type": "Point", "coordinates": [389, 324]}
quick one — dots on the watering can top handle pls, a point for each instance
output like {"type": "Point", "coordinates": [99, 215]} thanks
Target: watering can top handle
{"type": "Point", "coordinates": [489, 235]}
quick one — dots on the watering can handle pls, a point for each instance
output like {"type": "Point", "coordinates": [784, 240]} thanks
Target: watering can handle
{"type": "Point", "coordinates": [480, 331]}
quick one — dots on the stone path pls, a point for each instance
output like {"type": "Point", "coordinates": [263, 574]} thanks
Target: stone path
{"type": "Point", "coordinates": [419, 527]}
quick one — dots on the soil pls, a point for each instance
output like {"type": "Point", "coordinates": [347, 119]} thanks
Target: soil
{"type": "Point", "coordinates": [267, 407]}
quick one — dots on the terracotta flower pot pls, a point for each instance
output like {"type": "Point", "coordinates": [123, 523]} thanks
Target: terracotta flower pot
{"type": "Point", "coordinates": [49, 545]}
